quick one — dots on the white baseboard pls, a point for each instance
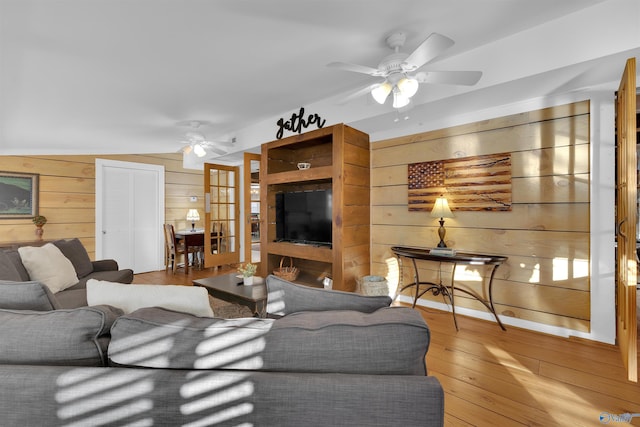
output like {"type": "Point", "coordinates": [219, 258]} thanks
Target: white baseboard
{"type": "Point", "coordinates": [506, 320]}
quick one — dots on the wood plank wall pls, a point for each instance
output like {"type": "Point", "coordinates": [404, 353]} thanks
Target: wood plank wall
{"type": "Point", "coordinates": [67, 194]}
{"type": "Point", "coordinates": [545, 236]}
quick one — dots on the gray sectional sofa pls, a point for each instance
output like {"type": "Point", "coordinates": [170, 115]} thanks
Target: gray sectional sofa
{"type": "Point", "coordinates": [343, 360]}
{"type": "Point", "coordinates": [13, 269]}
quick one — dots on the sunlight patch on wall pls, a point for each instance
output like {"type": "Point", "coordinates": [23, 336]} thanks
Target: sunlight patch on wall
{"type": "Point", "coordinates": [535, 272]}
{"type": "Point", "coordinates": [393, 274]}
{"type": "Point", "coordinates": [565, 268]}
{"type": "Point", "coordinates": [467, 274]}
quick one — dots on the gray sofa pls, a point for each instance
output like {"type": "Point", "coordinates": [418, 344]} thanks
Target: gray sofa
{"type": "Point", "coordinates": [12, 269]}
{"type": "Point", "coordinates": [346, 360]}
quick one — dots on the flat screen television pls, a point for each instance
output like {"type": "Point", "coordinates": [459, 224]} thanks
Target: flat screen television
{"type": "Point", "coordinates": [304, 217]}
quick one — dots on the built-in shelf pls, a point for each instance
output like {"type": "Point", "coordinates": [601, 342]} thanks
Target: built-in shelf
{"type": "Point", "coordinates": [301, 250]}
{"type": "Point", "coordinates": [311, 174]}
{"type": "Point", "coordinates": [339, 158]}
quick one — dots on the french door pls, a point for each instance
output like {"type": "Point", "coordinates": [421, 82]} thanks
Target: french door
{"type": "Point", "coordinates": [626, 220]}
{"type": "Point", "coordinates": [252, 207]}
{"type": "Point", "coordinates": [222, 215]}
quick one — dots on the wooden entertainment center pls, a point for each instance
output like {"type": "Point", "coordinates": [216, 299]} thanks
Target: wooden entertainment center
{"type": "Point", "coordinates": [339, 158]}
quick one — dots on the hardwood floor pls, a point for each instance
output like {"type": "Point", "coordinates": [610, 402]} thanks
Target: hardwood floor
{"type": "Point", "coordinates": [513, 378]}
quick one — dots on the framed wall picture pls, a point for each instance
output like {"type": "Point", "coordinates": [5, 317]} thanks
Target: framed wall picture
{"type": "Point", "coordinates": [18, 195]}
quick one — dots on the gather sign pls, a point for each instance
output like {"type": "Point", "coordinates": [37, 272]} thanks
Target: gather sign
{"type": "Point", "coordinates": [297, 122]}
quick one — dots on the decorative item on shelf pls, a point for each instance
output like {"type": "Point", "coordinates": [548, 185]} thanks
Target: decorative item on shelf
{"type": "Point", "coordinates": [287, 273]}
{"type": "Point", "coordinates": [442, 251]}
{"type": "Point", "coordinates": [193, 216]}
{"type": "Point", "coordinates": [39, 221]}
{"type": "Point", "coordinates": [304, 165]}
{"type": "Point", "coordinates": [327, 282]}
{"type": "Point", "coordinates": [247, 270]}
{"type": "Point", "coordinates": [441, 210]}
{"type": "Point", "coordinates": [297, 123]}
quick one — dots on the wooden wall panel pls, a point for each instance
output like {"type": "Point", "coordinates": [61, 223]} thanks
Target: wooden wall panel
{"type": "Point", "coordinates": [561, 132]}
{"type": "Point", "coordinates": [546, 235]}
{"type": "Point", "coordinates": [67, 194]}
{"type": "Point", "coordinates": [534, 216]}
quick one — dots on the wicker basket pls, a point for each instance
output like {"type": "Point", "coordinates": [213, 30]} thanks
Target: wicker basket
{"type": "Point", "coordinates": [373, 285]}
{"type": "Point", "coordinates": [287, 273]}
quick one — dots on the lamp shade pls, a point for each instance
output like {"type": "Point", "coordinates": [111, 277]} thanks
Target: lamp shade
{"type": "Point", "coordinates": [408, 86]}
{"type": "Point", "coordinates": [199, 150]}
{"type": "Point", "coordinates": [399, 100]}
{"type": "Point", "coordinates": [193, 215]}
{"type": "Point", "coordinates": [441, 209]}
{"type": "Point", "coordinates": [381, 92]}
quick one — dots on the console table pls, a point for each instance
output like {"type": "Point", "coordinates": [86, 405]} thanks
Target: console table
{"type": "Point", "coordinates": [447, 291]}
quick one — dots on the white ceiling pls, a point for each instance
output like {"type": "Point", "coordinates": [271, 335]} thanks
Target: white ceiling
{"type": "Point", "coordinates": [126, 76]}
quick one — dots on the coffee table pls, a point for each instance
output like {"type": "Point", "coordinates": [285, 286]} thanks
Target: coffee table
{"type": "Point", "coordinates": [229, 287]}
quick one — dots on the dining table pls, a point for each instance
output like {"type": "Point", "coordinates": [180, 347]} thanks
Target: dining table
{"type": "Point", "coordinates": [194, 238]}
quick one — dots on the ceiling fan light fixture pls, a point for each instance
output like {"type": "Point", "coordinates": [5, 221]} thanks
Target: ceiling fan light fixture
{"type": "Point", "coordinates": [199, 150]}
{"type": "Point", "coordinates": [399, 99]}
{"type": "Point", "coordinates": [381, 92]}
{"type": "Point", "coordinates": [408, 86]}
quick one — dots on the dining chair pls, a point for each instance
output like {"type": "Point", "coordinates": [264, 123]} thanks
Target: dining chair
{"type": "Point", "coordinates": [173, 249]}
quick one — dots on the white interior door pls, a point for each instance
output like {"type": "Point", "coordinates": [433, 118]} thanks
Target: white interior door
{"type": "Point", "coordinates": [130, 214]}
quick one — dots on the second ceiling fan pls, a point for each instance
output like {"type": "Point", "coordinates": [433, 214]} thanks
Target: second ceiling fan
{"type": "Point", "coordinates": [197, 143]}
{"type": "Point", "coordinates": [400, 70]}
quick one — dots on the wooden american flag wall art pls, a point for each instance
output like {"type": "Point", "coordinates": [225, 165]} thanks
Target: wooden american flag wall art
{"type": "Point", "coordinates": [477, 183]}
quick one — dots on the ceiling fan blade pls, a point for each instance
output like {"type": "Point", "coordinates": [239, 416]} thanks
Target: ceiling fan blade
{"type": "Point", "coordinates": [433, 46]}
{"type": "Point", "coordinates": [358, 93]}
{"type": "Point", "coordinates": [467, 78]}
{"type": "Point", "coordinates": [215, 150]}
{"type": "Point", "coordinates": [355, 68]}
{"type": "Point", "coordinates": [193, 137]}
{"type": "Point", "coordinates": [219, 142]}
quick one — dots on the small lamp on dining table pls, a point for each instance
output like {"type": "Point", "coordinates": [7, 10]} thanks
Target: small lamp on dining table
{"type": "Point", "coordinates": [441, 210]}
{"type": "Point", "coordinates": [193, 216]}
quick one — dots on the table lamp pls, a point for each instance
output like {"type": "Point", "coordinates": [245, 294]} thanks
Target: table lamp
{"type": "Point", "coordinates": [193, 216]}
{"type": "Point", "coordinates": [441, 210]}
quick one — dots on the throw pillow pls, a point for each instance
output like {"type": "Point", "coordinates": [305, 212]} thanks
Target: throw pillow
{"type": "Point", "coordinates": [27, 296]}
{"type": "Point", "coordinates": [74, 250]}
{"type": "Point", "coordinates": [8, 270]}
{"type": "Point", "coordinates": [46, 264]}
{"type": "Point", "coordinates": [76, 337]}
{"type": "Point", "coordinates": [15, 259]}
{"type": "Point", "coordinates": [284, 297]}
{"type": "Point", "coordinates": [159, 338]}
{"type": "Point", "coordinates": [187, 299]}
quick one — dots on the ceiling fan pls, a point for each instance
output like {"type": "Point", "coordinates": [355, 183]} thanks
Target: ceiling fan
{"type": "Point", "coordinates": [400, 70]}
{"type": "Point", "coordinates": [197, 143]}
